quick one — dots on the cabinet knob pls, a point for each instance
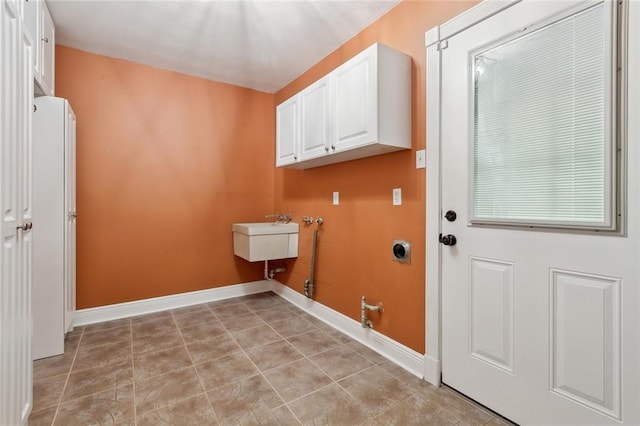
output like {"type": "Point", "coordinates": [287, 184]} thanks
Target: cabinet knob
{"type": "Point", "coordinates": [295, 157]}
{"type": "Point", "coordinates": [326, 149]}
{"type": "Point", "coordinates": [35, 107]}
{"type": "Point", "coordinates": [45, 39]}
{"type": "Point", "coordinates": [333, 147]}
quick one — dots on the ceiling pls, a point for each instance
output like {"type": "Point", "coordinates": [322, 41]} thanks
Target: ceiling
{"type": "Point", "coordinates": [259, 44]}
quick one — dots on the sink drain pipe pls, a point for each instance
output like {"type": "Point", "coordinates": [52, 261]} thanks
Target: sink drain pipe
{"type": "Point", "coordinates": [269, 274]}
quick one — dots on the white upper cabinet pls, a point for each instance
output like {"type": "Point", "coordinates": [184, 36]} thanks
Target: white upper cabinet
{"type": "Point", "coordinates": [361, 109]}
{"type": "Point", "coordinates": [315, 108]}
{"type": "Point", "coordinates": [287, 132]}
{"type": "Point", "coordinates": [40, 25]}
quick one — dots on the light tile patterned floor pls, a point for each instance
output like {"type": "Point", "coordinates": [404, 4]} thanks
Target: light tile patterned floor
{"type": "Point", "coordinates": [253, 360]}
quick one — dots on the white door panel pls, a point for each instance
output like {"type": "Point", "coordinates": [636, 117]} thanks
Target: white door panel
{"type": "Point", "coordinates": [491, 312]}
{"type": "Point", "coordinates": [539, 325]}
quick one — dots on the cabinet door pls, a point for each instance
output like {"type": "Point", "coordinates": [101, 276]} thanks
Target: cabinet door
{"type": "Point", "coordinates": [355, 102]}
{"type": "Point", "coordinates": [287, 132]}
{"type": "Point", "coordinates": [315, 137]}
{"type": "Point", "coordinates": [47, 43]}
{"type": "Point", "coordinates": [33, 21]}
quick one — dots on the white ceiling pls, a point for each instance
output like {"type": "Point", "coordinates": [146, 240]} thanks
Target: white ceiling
{"type": "Point", "coordinates": [260, 44]}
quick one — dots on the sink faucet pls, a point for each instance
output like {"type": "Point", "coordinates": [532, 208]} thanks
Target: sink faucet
{"type": "Point", "coordinates": [280, 217]}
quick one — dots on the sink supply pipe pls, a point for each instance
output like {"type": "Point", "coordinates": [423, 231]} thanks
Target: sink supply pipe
{"type": "Point", "coordinates": [366, 323]}
{"type": "Point", "coordinates": [308, 283]}
{"type": "Point", "coordinates": [280, 218]}
{"type": "Point", "coordinates": [268, 274]}
{"type": "Point", "coordinates": [308, 220]}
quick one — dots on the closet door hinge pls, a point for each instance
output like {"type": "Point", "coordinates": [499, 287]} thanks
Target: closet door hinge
{"type": "Point", "coordinates": [443, 44]}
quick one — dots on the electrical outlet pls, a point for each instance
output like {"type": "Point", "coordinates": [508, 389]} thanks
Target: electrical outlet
{"type": "Point", "coordinates": [421, 159]}
{"type": "Point", "coordinates": [397, 196]}
{"type": "Point", "coordinates": [336, 198]}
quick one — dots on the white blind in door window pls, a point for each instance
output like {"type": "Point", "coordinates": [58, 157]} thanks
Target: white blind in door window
{"type": "Point", "coordinates": [541, 146]}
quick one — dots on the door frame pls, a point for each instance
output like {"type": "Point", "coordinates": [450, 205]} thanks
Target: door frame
{"type": "Point", "coordinates": [435, 42]}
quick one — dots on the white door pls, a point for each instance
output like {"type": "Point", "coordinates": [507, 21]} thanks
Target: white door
{"type": "Point", "coordinates": [540, 322]}
{"type": "Point", "coordinates": [24, 369]}
{"type": "Point", "coordinates": [287, 132]}
{"type": "Point", "coordinates": [50, 211]}
{"type": "Point", "coordinates": [15, 217]}
{"type": "Point", "coordinates": [315, 137]}
{"type": "Point", "coordinates": [355, 112]}
{"type": "Point", "coordinates": [70, 231]}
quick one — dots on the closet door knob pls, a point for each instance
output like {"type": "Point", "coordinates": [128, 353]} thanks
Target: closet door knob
{"type": "Point", "coordinates": [45, 39]}
{"type": "Point", "coordinates": [26, 226]}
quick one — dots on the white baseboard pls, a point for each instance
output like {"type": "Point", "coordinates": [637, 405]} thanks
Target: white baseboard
{"type": "Point", "coordinates": [405, 357]}
{"type": "Point", "coordinates": [401, 355]}
{"type": "Point", "coordinates": [432, 371]}
{"type": "Point", "coordinates": [156, 304]}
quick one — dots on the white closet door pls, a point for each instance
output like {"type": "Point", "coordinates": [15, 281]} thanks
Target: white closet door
{"type": "Point", "coordinates": [51, 212]}
{"type": "Point", "coordinates": [16, 79]}
{"type": "Point", "coordinates": [70, 235]}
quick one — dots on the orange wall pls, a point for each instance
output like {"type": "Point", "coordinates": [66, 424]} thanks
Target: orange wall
{"type": "Point", "coordinates": [354, 244]}
{"type": "Point", "coordinates": [165, 164]}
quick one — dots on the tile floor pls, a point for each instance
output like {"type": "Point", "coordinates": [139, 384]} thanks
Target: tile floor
{"type": "Point", "coordinates": [253, 360]}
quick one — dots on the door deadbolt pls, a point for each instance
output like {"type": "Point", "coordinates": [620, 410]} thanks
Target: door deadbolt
{"type": "Point", "coordinates": [450, 215]}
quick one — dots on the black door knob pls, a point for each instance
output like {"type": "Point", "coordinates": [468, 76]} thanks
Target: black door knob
{"type": "Point", "coordinates": [448, 240]}
{"type": "Point", "coordinates": [450, 215]}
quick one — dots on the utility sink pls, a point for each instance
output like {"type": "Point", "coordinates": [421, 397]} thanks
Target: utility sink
{"type": "Point", "coordinates": [265, 240]}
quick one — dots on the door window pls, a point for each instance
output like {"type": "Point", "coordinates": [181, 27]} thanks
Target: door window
{"type": "Point", "coordinates": [543, 125]}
